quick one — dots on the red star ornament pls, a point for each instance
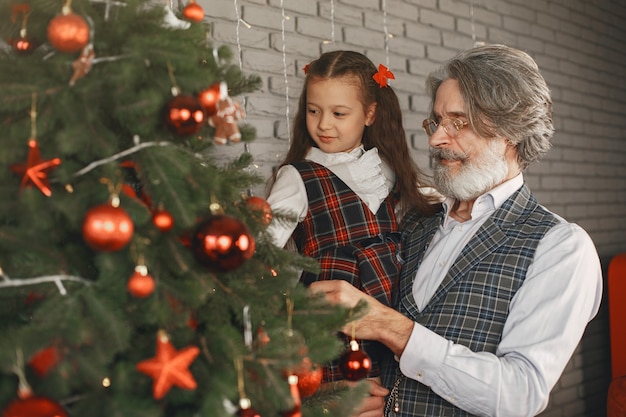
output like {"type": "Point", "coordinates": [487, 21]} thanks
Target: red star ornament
{"type": "Point", "coordinates": [35, 170]}
{"type": "Point", "coordinates": [169, 367]}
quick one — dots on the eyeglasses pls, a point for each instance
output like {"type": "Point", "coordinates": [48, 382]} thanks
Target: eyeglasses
{"type": "Point", "coordinates": [430, 126]}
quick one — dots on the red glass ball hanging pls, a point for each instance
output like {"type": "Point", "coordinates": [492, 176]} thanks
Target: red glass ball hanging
{"type": "Point", "coordinates": [209, 97]}
{"type": "Point", "coordinates": [355, 364]}
{"type": "Point", "coordinates": [68, 32]}
{"type": "Point", "coordinates": [140, 285]}
{"type": "Point", "coordinates": [183, 115]}
{"type": "Point", "coordinates": [247, 412]}
{"type": "Point", "coordinates": [193, 12]}
{"type": "Point", "coordinates": [163, 220]}
{"type": "Point", "coordinates": [34, 406]}
{"type": "Point", "coordinates": [262, 207]}
{"type": "Point", "coordinates": [23, 45]}
{"type": "Point", "coordinates": [107, 228]}
{"type": "Point", "coordinates": [222, 243]}
{"type": "Point", "coordinates": [309, 377]}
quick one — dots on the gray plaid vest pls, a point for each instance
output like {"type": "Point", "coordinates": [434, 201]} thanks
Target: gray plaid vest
{"type": "Point", "coordinates": [471, 305]}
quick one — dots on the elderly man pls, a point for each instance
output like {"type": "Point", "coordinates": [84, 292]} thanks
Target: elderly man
{"type": "Point", "coordinates": [495, 291]}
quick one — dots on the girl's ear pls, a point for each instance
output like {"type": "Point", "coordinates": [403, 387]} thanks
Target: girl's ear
{"type": "Point", "coordinates": [370, 114]}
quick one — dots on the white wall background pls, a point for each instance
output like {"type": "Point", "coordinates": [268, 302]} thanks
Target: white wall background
{"type": "Point", "coordinates": [578, 44]}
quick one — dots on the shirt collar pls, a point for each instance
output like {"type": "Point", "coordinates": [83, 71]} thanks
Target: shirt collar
{"type": "Point", "coordinates": [330, 159]}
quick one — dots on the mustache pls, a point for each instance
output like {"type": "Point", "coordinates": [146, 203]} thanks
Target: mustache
{"type": "Point", "coordinates": [439, 154]}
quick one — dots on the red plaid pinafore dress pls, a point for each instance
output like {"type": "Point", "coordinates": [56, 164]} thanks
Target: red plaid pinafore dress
{"type": "Point", "coordinates": [351, 243]}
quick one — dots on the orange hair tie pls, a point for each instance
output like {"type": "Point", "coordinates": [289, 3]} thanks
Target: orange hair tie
{"type": "Point", "coordinates": [383, 75]}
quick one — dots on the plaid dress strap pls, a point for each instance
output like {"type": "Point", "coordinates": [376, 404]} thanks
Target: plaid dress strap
{"type": "Point", "coordinates": [350, 243]}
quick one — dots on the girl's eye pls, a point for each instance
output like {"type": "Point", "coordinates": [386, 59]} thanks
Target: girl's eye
{"type": "Point", "coordinates": [338, 114]}
{"type": "Point", "coordinates": [312, 111]}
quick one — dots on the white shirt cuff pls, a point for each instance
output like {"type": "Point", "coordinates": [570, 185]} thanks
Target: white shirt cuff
{"type": "Point", "coordinates": [423, 355]}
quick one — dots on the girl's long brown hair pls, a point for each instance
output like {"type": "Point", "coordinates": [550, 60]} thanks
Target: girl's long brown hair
{"type": "Point", "coordinates": [386, 132]}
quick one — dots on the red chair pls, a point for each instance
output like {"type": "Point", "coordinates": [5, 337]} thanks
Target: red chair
{"type": "Point", "coordinates": [616, 401]}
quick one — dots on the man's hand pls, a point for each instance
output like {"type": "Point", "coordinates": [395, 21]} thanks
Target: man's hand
{"type": "Point", "coordinates": [380, 322]}
{"type": "Point", "coordinates": [374, 405]}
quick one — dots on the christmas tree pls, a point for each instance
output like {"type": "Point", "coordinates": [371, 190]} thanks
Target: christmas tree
{"type": "Point", "coordinates": [136, 274]}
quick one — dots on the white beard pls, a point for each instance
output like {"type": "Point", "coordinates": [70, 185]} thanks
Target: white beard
{"type": "Point", "coordinates": [475, 176]}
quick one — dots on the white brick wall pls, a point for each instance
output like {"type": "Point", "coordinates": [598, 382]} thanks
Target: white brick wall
{"type": "Point", "coordinates": [579, 47]}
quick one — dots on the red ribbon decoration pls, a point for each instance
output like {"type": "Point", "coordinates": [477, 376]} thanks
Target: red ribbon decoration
{"type": "Point", "coordinates": [383, 75]}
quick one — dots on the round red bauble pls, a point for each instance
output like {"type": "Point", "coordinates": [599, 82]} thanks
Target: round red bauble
{"type": "Point", "coordinates": [34, 407]}
{"type": "Point", "coordinates": [247, 412]}
{"type": "Point", "coordinates": [140, 285]}
{"type": "Point", "coordinates": [355, 364]}
{"type": "Point", "coordinates": [193, 11]}
{"type": "Point", "coordinates": [261, 206]}
{"type": "Point", "coordinates": [68, 32]}
{"type": "Point", "coordinates": [23, 45]}
{"type": "Point", "coordinates": [183, 115]}
{"type": "Point", "coordinates": [222, 243]}
{"type": "Point", "coordinates": [209, 97]}
{"type": "Point", "coordinates": [163, 220]}
{"type": "Point", "coordinates": [107, 228]}
{"type": "Point", "coordinates": [309, 377]}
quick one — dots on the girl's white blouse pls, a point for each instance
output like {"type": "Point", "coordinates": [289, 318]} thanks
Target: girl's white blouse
{"type": "Point", "coordinates": [363, 171]}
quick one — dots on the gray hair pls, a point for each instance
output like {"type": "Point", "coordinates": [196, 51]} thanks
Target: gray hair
{"type": "Point", "coordinates": [505, 96]}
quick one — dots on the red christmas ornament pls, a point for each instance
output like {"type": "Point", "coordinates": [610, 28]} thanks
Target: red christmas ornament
{"type": "Point", "coordinates": [35, 170]}
{"type": "Point", "coordinates": [355, 364]}
{"type": "Point", "coordinates": [193, 11]}
{"type": "Point", "coordinates": [23, 45]}
{"type": "Point", "coordinates": [44, 360]}
{"type": "Point", "coordinates": [184, 116]}
{"type": "Point", "coordinates": [262, 207]}
{"type": "Point", "coordinates": [163, 220]}
{"type": "Point", "coordinates": [222, 243]}
{"type": "Point", "coordinates": [107, 228]}
{"type": "Point", "coordinates": [140, 284]}
{"type": "Point", "coordinates": [246, 410]}
{"type": "Point", "coordinates": [169, 367]}
{"type": "Point", "coordinates": [33, 406]}
{"type": "Point", "coordinates": [209, 98]}
{"type": "Point", "coordinates": [309, 377]}
{"type": "Point", "coordinates": [68, 32]}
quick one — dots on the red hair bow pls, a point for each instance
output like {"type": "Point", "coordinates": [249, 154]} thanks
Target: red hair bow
{"type": "Point", "coordinates": [383, 75]}
{"type": "Point", "coordinates": [306, 69]}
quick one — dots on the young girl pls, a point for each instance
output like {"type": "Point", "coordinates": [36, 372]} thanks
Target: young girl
{"type": "Point", "coordinates": [347, 177]}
